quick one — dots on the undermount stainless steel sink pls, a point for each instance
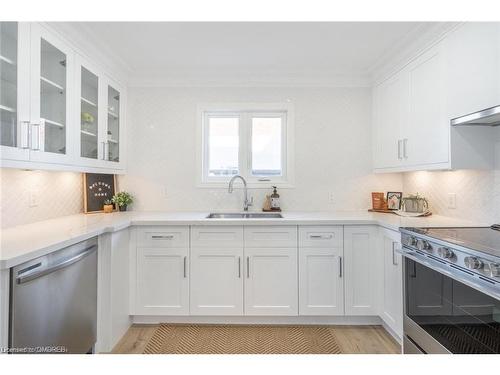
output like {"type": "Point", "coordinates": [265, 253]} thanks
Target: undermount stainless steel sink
{"type": "Point", "coordinates": [244, 216]}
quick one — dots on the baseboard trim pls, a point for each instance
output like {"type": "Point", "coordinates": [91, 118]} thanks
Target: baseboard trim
{"type": "Point", "coordinates": [313, 320]}
{"type": "Point", "coordinates": [393, 333]}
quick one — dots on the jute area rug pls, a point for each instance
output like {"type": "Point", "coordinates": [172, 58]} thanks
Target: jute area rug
{"type": "Point", "coordinates": [242, 339]}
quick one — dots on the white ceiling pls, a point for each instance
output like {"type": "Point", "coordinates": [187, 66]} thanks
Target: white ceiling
{"type": "Point", "coordinates": [192, 51]}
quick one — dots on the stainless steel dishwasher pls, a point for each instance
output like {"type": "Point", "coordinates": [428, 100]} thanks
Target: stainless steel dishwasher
{"type": "Point", "coordinates": [53, 302]}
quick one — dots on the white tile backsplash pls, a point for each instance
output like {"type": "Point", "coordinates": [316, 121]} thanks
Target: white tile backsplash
{"type": "Point", "coordinates": [332, 149]}
{"type": "Point", "coordinates": [58, 194]}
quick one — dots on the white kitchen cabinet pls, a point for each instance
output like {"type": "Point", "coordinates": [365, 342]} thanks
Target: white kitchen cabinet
{"type": "Point", "coordinates": [46, 86]}
{"type": "Point", "coordinates": [426, 141]}
{"type": "Point", "coordinates": [52, 90]}
{"type": "Point", "coordinates": [413, 108]}
{"type": "Point", "coordinates": [113, 313]}
{"type": "Point", "coordinates": [473, 68]}
{"type": "Point", "coordinates": [390, 112]}
{"type": "Point", "coordinates": [162, 281]}
{"type": "Point", "coordinates": [114, 112]}
{"type": "Point", "coordinates": [321, 283]}
{"type": "Point", "coordinates": [392, 284]}
{"type": "Point", "coordinates": [361, 269]}
{"type": "Point", "coordinates": [15, 89]}
{"type": "Point", "coordinates": [271, 281]}
{"type": "Point", "coordinates": [216, 281]}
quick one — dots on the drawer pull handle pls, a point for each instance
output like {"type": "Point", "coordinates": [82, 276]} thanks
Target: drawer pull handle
{"type": "Point", "coordinates": [248, 267]}
{"type": "Point", "coordinates": [321, 236]}
{"type": "Point", "coordinates": [185, 267]}
{"type": "Point", "coordinates": [239, 267]}
{"type": "Point", "coordinates": [160, 237]}
{"type": "Point", "coordinates": [340, 267]}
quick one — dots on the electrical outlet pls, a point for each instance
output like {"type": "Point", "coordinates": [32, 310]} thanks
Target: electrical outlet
{"type": "Point", "coordinates": [452, 200]}
{"type": "Point", "coordinates": [331, 197]}
{"type": "Point", "coordinates": [33, 198]}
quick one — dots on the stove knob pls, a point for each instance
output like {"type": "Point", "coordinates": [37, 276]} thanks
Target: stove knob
{"type": "Point", "coordinates": [473, 263]}
{"type": "Point", "coordinates": [411, 241]}
{"type": "Point", "coordinates": [446, 253]}
{"type": "Point", "coordinates": [424, 245]}
{"type": "Point", "coordinates": [494, 269]}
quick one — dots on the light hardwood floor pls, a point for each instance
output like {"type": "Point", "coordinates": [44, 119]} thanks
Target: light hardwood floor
{"type": "Point", "coordinates": [351, 339]}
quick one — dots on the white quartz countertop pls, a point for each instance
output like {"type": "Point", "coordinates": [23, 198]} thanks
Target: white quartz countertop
{"type": "Point", "coordinates": [22, 243]}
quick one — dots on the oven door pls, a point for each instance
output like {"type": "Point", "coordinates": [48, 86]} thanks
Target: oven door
{"type": "Point", "coordinates": [443, 315]}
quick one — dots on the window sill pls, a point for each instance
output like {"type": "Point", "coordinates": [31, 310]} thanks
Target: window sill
{"type": "Point", "coordinates": [250, 185]}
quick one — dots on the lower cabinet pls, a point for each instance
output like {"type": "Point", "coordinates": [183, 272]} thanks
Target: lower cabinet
{"type": "Point", "coordinates": [392, 300]}
{"type": "Point", "coordinates": [162, 281]}
{"type": "Point", "coordinates": [271, 281]}
{"type": "Point", "coordinates": [216, 281]}
{"type": "Point", "coordinates": [362, 269]}
{"type": "Point", "coordinates": [321, 283]}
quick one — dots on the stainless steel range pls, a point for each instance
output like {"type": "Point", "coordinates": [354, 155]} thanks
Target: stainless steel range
{"type": "Point", "coordinates": [451, 290]}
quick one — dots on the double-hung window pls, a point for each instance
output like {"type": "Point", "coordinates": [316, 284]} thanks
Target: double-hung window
{"type": "Point", "coordinates": [254, 143]}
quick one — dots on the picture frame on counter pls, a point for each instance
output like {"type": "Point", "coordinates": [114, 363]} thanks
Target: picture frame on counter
{"type": "Point", "coordinates": [394, 199]}
{"type": "Point", "coordinates": [97, 188]}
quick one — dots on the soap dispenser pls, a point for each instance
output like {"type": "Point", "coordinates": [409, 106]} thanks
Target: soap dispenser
{"type": "Point", "coordinates": [275, 200]}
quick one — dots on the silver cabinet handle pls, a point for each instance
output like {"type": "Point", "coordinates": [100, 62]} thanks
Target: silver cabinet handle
{"type": "Point", "coordinates": [24, 135]}
{"type": "Point", "coordinates": [239, 267]}
{"type": "Point", "coordinates": [185, 267]}
{"type": "Point", "coordinates": [34, 274]}
{"type": "Point", "coordinates": [399, 150]}
{"type": "Point", "coordinates": [405, 147]}
{"type": "Point", "coordinates": [321, 236]}
{"type": "Point", "coordinates": [340, 266]}
{"type": "Point", "coordinates": [248, 267]}
{"type": "Point", "coordinates": [35, 136]}
{"type": "Point", "coordinates": [162, 237]}
{"type": "Point", "coordinates": [394, 262]}
{"type": "Point", "coordinates": [103, 150]}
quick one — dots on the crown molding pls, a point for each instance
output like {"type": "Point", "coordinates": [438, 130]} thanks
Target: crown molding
{"type": "Point", "coordinates": [413, 44]}
{"type": "Point", "coordinates": [81, 37]}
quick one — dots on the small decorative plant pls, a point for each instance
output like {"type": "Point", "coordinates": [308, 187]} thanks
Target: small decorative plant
{"type": "Point", "coordinates": [108, 206]}
{"type": "Point", "coordinates": [122, 200]}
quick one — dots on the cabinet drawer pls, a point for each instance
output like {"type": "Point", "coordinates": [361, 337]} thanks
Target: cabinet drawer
{"type": "Point", "coordinates": [271, 236]}
{"type": "Point", "coordinates": [163, 236]}
{"type": "Point", "coordinates": [320, 236]}
{"type": "Point", "coordinates": [217, 236]}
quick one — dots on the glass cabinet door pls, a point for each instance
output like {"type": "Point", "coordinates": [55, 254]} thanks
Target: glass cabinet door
{"type": "Point", "coordinates": [89, 114]}
{"type": "Point", "coordinates": [8, 74]}
{"type": "Point", "coordinates": [53, 87]}
{"type": "Point", "coordinates": [52, 65]}
{"type": "Point", "coordinates": [113, 129]}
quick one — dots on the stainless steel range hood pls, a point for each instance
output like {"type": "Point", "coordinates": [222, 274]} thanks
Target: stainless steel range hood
{"type": "Point", "coordinates": [486, 117]}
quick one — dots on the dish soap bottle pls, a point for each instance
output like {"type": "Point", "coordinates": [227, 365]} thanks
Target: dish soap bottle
{"type": "Point", "coordinates": [275, 200]}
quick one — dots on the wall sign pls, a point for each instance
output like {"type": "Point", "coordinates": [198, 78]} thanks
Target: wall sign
{"type": "Point", "coordinates": [97, 188]}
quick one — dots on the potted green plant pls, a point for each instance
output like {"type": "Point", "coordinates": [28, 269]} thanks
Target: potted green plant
{"type": "Point", "coordinates": [122, 200]}
{"type": "Point", "coordinates": [108, 206]}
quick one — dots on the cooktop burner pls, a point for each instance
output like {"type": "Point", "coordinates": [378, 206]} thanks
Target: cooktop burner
{"type": "Point", "coordinates": [482, 239]}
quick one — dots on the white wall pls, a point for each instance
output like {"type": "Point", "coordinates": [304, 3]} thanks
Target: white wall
{"type": "Point", "coordinates": [332, 149]}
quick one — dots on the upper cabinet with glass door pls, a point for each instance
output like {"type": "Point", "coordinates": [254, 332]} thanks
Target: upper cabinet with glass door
{"type": "Point", "coordinates": [52, 67]}
{"type": "Point", "coordinates": [58, 110]}
{"type": "Point", "coordinates": [113, 145]}
{"type": "Point", "coordinates": [14, 103]}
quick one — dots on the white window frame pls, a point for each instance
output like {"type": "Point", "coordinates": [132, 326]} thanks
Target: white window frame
{"type": "Point", "coordinates": [245, 111]}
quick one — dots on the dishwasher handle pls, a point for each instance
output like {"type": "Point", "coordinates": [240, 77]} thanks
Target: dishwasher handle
{"type": "Point", "coordinates": [34, 274]}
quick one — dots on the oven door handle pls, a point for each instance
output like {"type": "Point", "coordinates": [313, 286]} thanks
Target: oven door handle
{"type": "Point", "coordinates": [488, 287]}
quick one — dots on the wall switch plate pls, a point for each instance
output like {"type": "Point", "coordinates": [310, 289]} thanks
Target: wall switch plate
{"type": "Point", "coordinates": [331, 197]}
{"type": "Point", "coordinates": [33, 198]}
{"type": "Point", "coordinates": [452, 200]}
